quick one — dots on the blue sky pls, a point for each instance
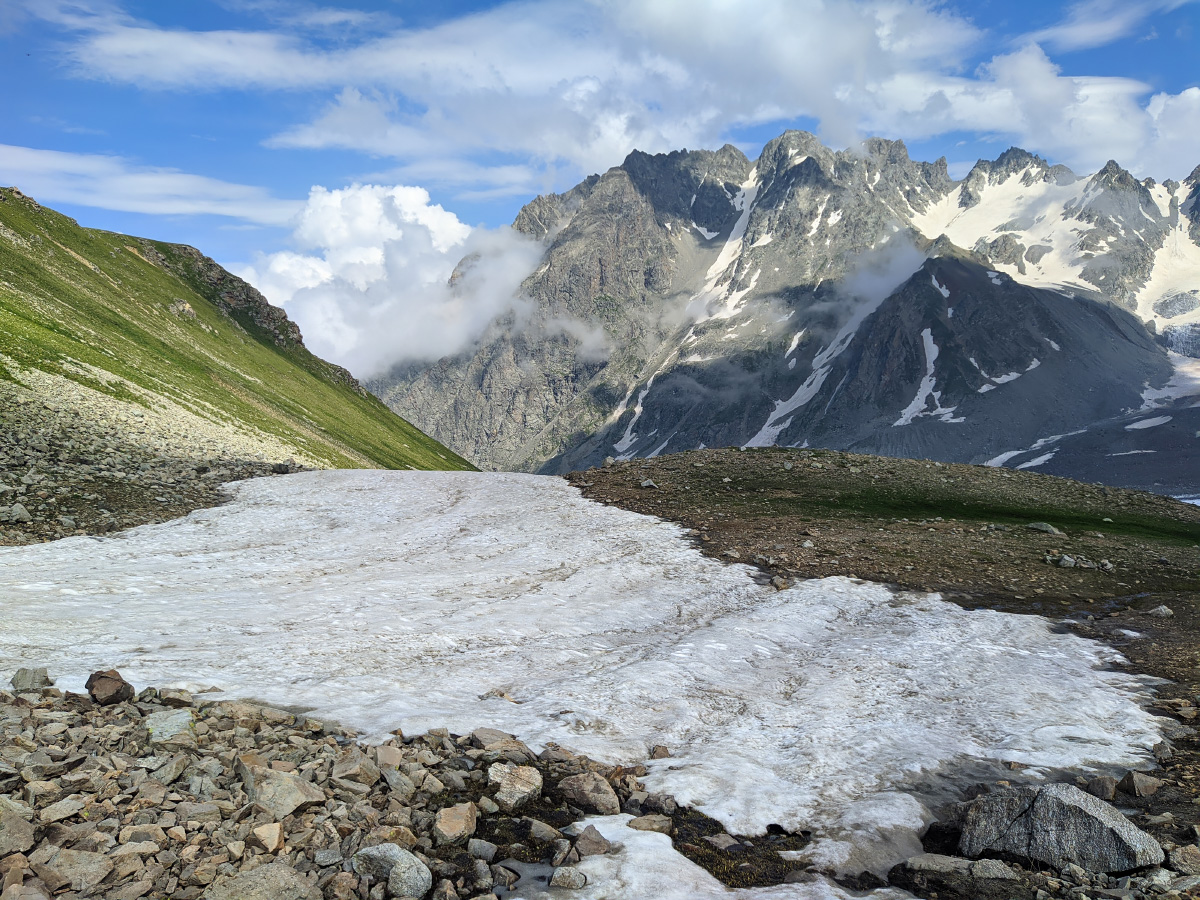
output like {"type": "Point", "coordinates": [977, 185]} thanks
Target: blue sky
{"type": "Point", "coordinates": [241, 126]}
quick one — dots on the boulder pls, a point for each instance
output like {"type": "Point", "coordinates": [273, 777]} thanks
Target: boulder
{"type": "Point", "coordinates": [275, 881]}
{"type": "Point", "coordinates": [28, 680]}
{"type": "Point", "coordinates": [108, 687]}
{"type": "Point", "coordinates": [409, 877]}
{"type": "Point", "coordinates": [1186, 859]}
{"type": "Point", "coordinates": [515, 785]}
{"type": "Point", "coordinates": [568, 877]}
{"type": "Point", "coordinates": [590, 791]}
{"type": "Point", "coordinates": [379, 860]}
{"type": "Point", "coordinates": [1057, 824]}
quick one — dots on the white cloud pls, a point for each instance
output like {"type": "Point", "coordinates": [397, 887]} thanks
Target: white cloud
{"type": "Point", "coordinates": [552, 84]}
{"type": "Point", "coordinates": [373, 288]}
{"type": "Point", "coordinates": [111, 182]}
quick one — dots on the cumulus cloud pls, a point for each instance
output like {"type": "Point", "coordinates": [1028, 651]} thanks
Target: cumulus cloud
{"type": "Point", "coordinates": [377, 279]}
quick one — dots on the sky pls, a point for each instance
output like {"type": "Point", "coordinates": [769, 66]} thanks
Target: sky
{"type": "Point", "coordinates": [338, 156]}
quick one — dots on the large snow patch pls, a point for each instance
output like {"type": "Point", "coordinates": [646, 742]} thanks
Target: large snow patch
{"type": "Point", "coordinates": [385, 599]}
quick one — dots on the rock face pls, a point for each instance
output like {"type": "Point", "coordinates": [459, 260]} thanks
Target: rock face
{"type": "Point", "coordinates": [699, 299]}
{"type": "Point", "coordinates": [1059, 825]}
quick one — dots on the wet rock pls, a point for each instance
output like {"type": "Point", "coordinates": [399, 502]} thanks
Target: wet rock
{"type": "Point", "coordinates": [1056, 824]}
{"type": "Point", "coordinates": [409, 877]}
{"type": "Point", "coordinates": [515, 785]}
{"type": "Point", "coordinates": [275, 881]}
{"type": "Point", "coordinates": [108, 688]}
{"type": "Point", "coordinates": [589, 791]}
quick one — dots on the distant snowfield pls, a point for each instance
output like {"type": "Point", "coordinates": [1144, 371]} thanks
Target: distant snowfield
{"type": "Point", "coordinates": [386, 599]}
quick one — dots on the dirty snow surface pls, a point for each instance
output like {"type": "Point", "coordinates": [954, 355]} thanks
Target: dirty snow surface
{"type": "Point", "coordinates": [386, 599]}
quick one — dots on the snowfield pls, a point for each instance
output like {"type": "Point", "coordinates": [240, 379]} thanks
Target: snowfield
{"type": "Point", "coordinates": [421, 599]}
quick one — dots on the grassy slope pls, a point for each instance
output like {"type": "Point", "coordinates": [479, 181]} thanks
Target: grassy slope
{"type": "Point", "coordinates": [71, 295]}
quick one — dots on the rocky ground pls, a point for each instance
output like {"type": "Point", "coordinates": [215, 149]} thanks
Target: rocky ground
{"type": "Point", "coordinates": [64, 472]}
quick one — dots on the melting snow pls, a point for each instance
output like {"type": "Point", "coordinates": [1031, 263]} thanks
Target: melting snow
{"type": "Point", "coordinates": [630, 437]}
{"type": "Point", "coordinates": [817, 220]}
{"type": "Point", "coordinates": [1053, 344]}
{"type": "Point", "coordinates": [1045, 458]}
{"type": "Point", "coordinates": [762, 241]}
{"type": "Point", "coordinates": [1131, 453]}
{"type": "Point", "coordinates": [791, 363]}
{"type": "Point", "coordinates": [705, 233]}
{"type": "Point", "coordinates": [730, 252]}
{"type": "Point", "coordinates": [1176, 270]}
{"type": "Point", "coordinates": [1148, 423]}
{"type": "Point", "coordinates": [926, 391]}
{"type": "Point", "coordinates": [834, 218]}
{"type": "Point", "coordinates": [795, 343]}
{"type": "Point", "coordinates": [1184, 382]}
{"type": "Point", "coordinates": [399, 599]}
{"type": "Point", "coordinates": [944, 291]}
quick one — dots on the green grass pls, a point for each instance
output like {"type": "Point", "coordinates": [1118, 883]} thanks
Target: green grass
{"type": "Point", "coordinates": [75, 299]}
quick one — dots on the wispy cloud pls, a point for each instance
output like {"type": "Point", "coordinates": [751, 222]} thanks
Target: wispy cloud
{"type": "Point", "coordinates": [1098, 23]}
{"type": "Point", "coordinates": [111, 182]}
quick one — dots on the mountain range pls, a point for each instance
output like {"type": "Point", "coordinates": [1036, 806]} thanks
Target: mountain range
{"type": "Point", "coordinates": [856, 299]}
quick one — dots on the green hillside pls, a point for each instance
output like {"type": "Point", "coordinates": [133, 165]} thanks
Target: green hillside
{"type": "Point", "coordinates": [153, 323]}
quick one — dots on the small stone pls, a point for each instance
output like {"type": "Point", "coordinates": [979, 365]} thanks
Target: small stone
{"type": "Point", "coordinates": [276, 881]}
{"type": "Point", "coordinates": [108, 688]}
{"type": "Point", "coordinates": [328, 857]}
{"type": "Point", "coordinates": [171, 728]}
{"type": "Point", "coordinates": [1160, 612]}
{"type": "Point", "coordinates": [568, 877]}
{"type": "Point", "coordinates": [480, 849]}
{"type": "Point", "coordinates": [175, 698]}
{"type": "Point", "coordinates": [30, 680]}
{"type": "Point", "coordinates": [343, 886]}
{"type": "Point", "coordinates": [444, 891]}
{"type": "Point", "coordinates": [1186, 859]}
{"type": "Point", "coordinates": [648, 483]}
{"type": "Point", "coordinates": [353, 765]}
{"type": "Point", "coordinates": [590, 791]}
{"type": "Point", "coordinates": [592, 843]}
{"type": "Point", "coordinates": [63, 809]}
{"type": "Point", "coordinates": [993, 869]}
{"type": "Point", "coordinates": [281, 793]}
{"type": "Point", "coordinates": [515, 785]}
{"type": "Point", "coordinates": [659, 751]}
{"type": "Point", "coordinates": [654, 822]}
{"type": "Point", "coordinates": [268, 837]}
{"type": "Point", "coordinates": [1138, 784]}
{"type": "Point", "coordinates": [455, 823]}
{"type": "Point", "coordinates": [723, 841]}
{"type": "Point", "coordinates": [409, 877]}
{"type": "Point", "coordinates": [1103, 786]}
{"type": "Point", "coordinates": [1044, 527]}
{"type": "Point", "coordinates": [198, 812]}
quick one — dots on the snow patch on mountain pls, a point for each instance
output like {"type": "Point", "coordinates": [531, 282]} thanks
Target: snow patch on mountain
{"type": "Point", "coordinates": [926, 392]}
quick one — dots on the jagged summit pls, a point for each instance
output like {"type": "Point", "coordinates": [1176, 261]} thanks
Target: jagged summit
{"type": "Point", "coordinates": [793, 299]}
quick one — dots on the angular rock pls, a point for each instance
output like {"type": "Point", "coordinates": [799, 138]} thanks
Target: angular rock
{"type": "Point", "coordinates": [480, 849]}
{"type": "Point", "coordinates": [198, 812]}
{"type": "Point", "coordinates": [63, 809]}
{"type": "Point", "coordinates": [592, 843]}
{"type": "Point", "coordinates": [1138, 784]}
{"type": "Point", "coordinates": [108, 688]}
{"type": "Point", "coordinates": [1057, 824]}
{"type": "Point", "coordinates": [29, 680]}
{"type": "Point", "coordinates": [540, 832]}
{"type": "Point", "coordinates": [723, 841]}
{"type": "Point", "coordinates": [275, 881]}
{"type": "Point", "coordinates": [1186, 859]}
{"type": "Point", "coordinates": [409, 877]}
{"type": "Point", "coordinates": [268, 837]}
{"type": "Point", "coordinates": [353, 765]}
{"type": "Point", "coordinates": [79, 870]}
{"type": "Point", "coordinates": [399, 784]}
{"type": "Point", "coordinates": [455, 823]}
{"type": "Point", "coordinates": [16, 835]}
{"type": "Point", "coordinates": [515, 785]}
{"type": "Point", "coordinates": [281, 793]}
{"type": "Point", "coordinates": [171, 728]}
{"type": "Point", "coordinates": [590, 791]}
{"type": "Point", "coordinates": [1103, 786]}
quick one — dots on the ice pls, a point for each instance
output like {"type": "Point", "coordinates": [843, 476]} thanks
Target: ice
{"type": "Point", "coordinates": [401, 599]}
{"type": "Point", "coordinates": [1148, 423]}
{"type": "Point", "coordinates": [1176, 269]}
{"type": "Point", "coordinates": [926, 392]}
